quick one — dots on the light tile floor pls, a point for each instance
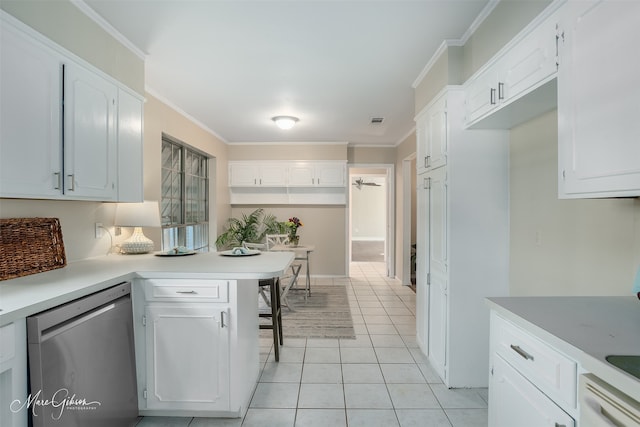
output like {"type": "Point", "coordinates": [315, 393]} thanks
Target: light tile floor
{"type": "Point", "coordinates": [379, 379]}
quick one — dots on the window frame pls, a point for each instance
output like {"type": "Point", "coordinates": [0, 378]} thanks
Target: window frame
{"type": "Point", "coordinates": [188, 224]}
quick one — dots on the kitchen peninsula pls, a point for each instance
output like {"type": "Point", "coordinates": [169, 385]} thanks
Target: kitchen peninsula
{"type": "Point", "coordinates": [229, 288]}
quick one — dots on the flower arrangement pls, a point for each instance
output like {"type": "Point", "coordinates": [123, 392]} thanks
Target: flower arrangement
{"type": "Point", "coordinates": [292, 224]}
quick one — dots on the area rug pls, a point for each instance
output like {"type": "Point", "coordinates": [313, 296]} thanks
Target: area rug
{"type": "Point", "coordinates": [325, 314]}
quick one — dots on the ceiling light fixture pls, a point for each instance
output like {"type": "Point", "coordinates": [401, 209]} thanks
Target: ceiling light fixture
{"type": "Point", "coordinates": [285, 122]}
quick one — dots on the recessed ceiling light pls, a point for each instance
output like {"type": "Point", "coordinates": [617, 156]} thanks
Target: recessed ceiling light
{"type": "Point", "coordinates": [285, 122]}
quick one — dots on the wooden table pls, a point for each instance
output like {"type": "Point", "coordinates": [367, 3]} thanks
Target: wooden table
{"type": "Point", "coordinates": [299, 249]}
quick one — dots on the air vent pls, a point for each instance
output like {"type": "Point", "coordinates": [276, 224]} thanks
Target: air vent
{"type": "Point", "coordinates": [377, 120]}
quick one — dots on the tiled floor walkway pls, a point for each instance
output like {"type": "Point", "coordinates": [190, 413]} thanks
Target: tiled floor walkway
{"type": "Point", "coordinates": [379, 379]}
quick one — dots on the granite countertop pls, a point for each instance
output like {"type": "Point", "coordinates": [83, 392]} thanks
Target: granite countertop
{"type": "Point", "coordinates": [28, 295]}
{"type": "Point", "coordinates": [585, 328]}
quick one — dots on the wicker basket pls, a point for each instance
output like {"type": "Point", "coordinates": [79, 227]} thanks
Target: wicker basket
{"type": "Point", "coordinates": [30, 246]}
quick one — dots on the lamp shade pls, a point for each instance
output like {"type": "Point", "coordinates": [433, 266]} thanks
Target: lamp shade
{"type": "Point", "coordinates": [145, 214]}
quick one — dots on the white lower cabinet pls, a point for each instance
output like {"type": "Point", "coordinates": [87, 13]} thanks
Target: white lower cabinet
{"type": "Point", "coordinates": [514, 401]}
{"type": "Point", "coordinates": [530, 382]}
{"type": "Point", "coordinates": [187, 357]}
{"type": "Point", "coordinates": [13, 374]}
{"type": "Point", "coordinates": [197, 350]}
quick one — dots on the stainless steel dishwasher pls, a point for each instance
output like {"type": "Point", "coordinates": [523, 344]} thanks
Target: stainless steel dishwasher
{"type": "Point", "coordinates": [82, 362]}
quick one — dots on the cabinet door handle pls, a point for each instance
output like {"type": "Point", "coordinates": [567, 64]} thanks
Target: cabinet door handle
{"type": "Point", "coordinates": [192, 292]}
{"type": "Point", "coordinates": [500, 90]}
{"type": "Point", "coordinates": [222, 324]}
{"type": "Point", "coordinates": [521, 352]}
{"type": "Point", "coordinates": [72, 187]}
{"type": "Point", "coordinates": [57, 176]}
{"type": "Point", "coordinates": [492, 96]}
{"type": "Point", "coordinates": [560, 425]}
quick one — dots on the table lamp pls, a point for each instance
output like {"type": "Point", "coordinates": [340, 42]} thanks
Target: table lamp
{"type": "Point", "coordinates": [137, 215]}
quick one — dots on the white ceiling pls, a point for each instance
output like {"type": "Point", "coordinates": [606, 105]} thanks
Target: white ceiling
{"type": "Point", "coordinates": [233, 64]}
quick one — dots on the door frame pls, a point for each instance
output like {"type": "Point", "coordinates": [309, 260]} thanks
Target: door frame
{"type": "Point", "coordinates": [408, 194]}
{"type": "Point", "coordinates": [390, 202]}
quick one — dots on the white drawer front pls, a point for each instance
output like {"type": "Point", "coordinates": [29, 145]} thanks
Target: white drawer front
{"type": "Point", "coordinates": [7, 342]}
{"type": "Point", "coordinates": [187, 290]}
{"type": "Point", "coordinates": [552, 372]}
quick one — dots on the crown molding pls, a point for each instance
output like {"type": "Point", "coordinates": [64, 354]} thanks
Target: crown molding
{"type": "Point", "coordinates": [404, 138]}
{"type": "Point", "coordinates": [289, 143]}
{"type": "Point", "coordinates": [484, 13]}
{"type": "Point", "coordinates": [183, 113]}
{"type": "Point", "coordinates": [102, 23]}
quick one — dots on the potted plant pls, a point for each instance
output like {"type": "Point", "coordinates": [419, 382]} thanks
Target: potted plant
{"type": "Point", "coordinates": [250, 228]}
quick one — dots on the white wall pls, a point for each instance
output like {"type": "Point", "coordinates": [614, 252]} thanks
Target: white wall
{"type": "Point", "coordinates": [565, 247]}
{"type": "Point", "coordinates": [368, 209]}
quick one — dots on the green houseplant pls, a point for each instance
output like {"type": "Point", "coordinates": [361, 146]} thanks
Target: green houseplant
{"type": "Point", "coordinates": [250, 228]}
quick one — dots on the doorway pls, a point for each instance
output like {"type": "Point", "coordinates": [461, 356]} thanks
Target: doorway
{"type": "Point", "coordinates": [370, 230]}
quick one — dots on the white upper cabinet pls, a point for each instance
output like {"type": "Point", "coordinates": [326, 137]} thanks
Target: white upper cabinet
{"type": "Point", "coordinates": [89, 135]}
{"type": "Point", "coordinates": [431, 127]}
{"type": "Point", "coordinates": [59, 124]}
{"type": "Point", "coordinates": [598, 93]}
{"type": "Point", "coordinates": [318, 174]}
{"type": "Point", "coordinates": [496, 94]}
{"type": "Point", "coordinates": [255, 174]}
{"type": "Point", "coordinates": [30, 118]}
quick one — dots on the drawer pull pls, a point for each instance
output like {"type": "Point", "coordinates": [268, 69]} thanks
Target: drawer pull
{"type": "Point", "coordinates": [186, 292]}
{"type": "Point", "coordinates": [521, 352]}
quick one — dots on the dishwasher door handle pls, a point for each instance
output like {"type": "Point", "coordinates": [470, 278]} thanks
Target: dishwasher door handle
{"type": "Point", "coordinates": [65, 326]}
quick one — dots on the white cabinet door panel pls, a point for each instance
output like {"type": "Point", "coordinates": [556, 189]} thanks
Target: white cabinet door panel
{"type": "Point", "coordinates": [89, 135]}
{"type": "Point", "coordinates": [598, 92]}
{"type": "Point", "coordinates": [273, 175]}
{"type": "Point", "coordinates": [438, 290]}
{"type": "Point", "coordinates": [243, 175]}
{"type": "Point", "coordinates": [482, 95]}
{"type": "Point", "coordinates": [422, 263]}
{"type": "Point", "coordinates": [530, 62]}
{"type": "Point", "coordinates": [130, 179]}
{"type": "Point", "coordinates": [30, 130]}
{"type": "Point", "coordinates": [301, 174]}
{"type": "Point", "coordinates": [330, 174]}
{"type": "Point", "coordinates": [514, 401]}
{"type": "Point", "coordinates": [187, 358]}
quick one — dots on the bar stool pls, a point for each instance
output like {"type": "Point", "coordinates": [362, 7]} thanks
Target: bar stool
{"type": "Point", "coordinates": [275, 314]}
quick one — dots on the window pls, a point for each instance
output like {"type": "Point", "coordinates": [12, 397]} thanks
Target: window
{"type": "Point", "coordinates": [185, 197]}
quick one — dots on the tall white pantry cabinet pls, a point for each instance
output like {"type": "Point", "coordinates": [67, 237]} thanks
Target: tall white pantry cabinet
{"type": "Point", "coordinates": [463, 235]}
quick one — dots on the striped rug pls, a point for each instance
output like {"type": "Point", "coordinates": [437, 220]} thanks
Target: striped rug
{"type": "Point", "coordinates": [325, 314]}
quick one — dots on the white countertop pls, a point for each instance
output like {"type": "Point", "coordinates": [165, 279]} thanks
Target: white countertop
{"type": "Point", "coordinates": [27, 295]}
{"type": "Point", "coordinates": [585, 328]}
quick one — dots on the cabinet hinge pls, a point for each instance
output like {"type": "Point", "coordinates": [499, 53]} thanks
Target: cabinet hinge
{"type": "Point", "coordinates": [144, 393]}
{"type": "Point", "coordinates": [426, 183]}
{"type": "Point", "coordinates": [144, 323]}
{"type": "Point", "coordinates": [492, 371]}
{"type": "Point", "coordinates": [428, 278]}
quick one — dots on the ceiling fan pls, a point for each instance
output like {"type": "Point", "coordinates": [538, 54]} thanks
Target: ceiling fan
{"type": "Point", "coordinates": [360, 182]}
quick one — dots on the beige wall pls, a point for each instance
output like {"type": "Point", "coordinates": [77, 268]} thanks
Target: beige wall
{"type": "Point", "coordinates": [66, 25]}
{"type": "Point", "coordinates": [446, 70]}
{"type": "Point", "coordinates": [268, 151]}
{"type": "Point", "coordinates": [324, 227]}
{"type": "Point", "coordinates": [371, 155]}
{"type": "Point", "coordinates": [565, 247]}
{"type": "Point", "coordinates": [506, 20]}
{"type": "Point", "coordinates": [403, 151]}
